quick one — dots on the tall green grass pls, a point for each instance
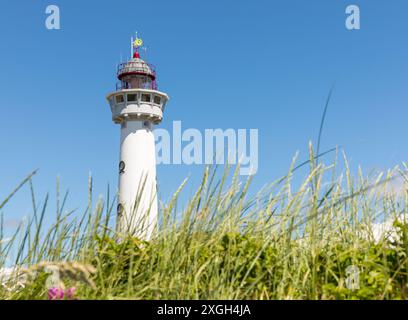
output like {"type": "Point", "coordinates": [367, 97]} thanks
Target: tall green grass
{"type": "Point", "coordinates": [227, 244]}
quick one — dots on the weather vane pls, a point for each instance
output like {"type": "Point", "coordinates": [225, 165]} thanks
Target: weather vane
{"type": "Point", "coordinates": [135, 44]}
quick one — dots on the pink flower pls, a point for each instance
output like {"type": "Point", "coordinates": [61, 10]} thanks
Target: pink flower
{"type": "Point", "coordinates": [70, 293]}
{"type": "Point", "coordinates": [60, 294]}
{"type": "Point", "coordinates": [55, 294]}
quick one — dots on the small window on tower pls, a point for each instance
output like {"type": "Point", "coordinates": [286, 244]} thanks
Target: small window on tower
{"type": "Point", "coordinates": [157, 100]}
{"type": "Point", "coordinates": [120, 98]}
{"type": "Point", "coordinates": [132, 97]}
{"type": "Point", "coordinates": [146, 97]}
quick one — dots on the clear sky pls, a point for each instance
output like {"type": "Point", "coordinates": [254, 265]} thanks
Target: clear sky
{"type": "Point", "coordinates": [267, 65]}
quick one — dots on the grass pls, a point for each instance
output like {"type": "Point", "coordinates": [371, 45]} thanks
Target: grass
{"type": "Point", "coordinates": [225, 244]}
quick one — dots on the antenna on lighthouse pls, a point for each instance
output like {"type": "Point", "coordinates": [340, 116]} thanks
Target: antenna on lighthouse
{"type": "Point", "coordinates": [131, 47]}
{"type": "Point", "coordinates": [144, 48]}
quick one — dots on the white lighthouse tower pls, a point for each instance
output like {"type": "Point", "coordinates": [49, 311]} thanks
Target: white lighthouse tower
{"type": "Point", "coordinates": [137, 106]}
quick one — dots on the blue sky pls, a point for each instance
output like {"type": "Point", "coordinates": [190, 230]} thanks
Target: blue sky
{"type": "Point", "coordinates": [267, 65]}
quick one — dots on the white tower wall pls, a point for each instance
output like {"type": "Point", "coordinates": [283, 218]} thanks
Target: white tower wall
{"type": "Point", "coordinates": [137, 179]}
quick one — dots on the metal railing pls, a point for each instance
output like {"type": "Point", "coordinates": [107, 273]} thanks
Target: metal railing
{"type": "Point", "coordinates": [121, 85]}
{"type": "Point", "coordinates": [137, 66]}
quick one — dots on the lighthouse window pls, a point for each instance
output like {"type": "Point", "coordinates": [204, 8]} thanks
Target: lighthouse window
{"type": "Point", "coordinates": [157, 100]}
{"type": "Point", "coordinates": [119, 98]}
{"type": "Point", "coordinates": [120, 209]}
{"type": "Point", "coordinates": [132, 97]}
{"type": "Point", "coordinates": [146, 97]}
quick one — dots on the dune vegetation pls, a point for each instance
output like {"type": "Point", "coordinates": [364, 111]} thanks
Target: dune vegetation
{"type": "Point", "coordinates": [317, 241]}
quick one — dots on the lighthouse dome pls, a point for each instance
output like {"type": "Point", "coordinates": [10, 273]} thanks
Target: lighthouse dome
{"type": "Point", "coordinates": [137, 67]}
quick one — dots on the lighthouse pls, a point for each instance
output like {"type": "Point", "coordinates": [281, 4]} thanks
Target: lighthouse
{"type": "Point", "coordinates": [137, 106]}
